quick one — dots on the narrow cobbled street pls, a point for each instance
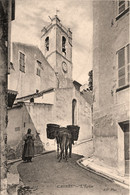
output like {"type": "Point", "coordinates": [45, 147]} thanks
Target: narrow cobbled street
{"type": "Point", "coordinates": [46, 176]}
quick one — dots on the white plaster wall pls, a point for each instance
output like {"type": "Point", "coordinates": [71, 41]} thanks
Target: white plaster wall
{"type": "Point", "coordinates": [28, 82]}
{"type": "Point", "coordinates": [41, 115]}
{"type": "Point", "coordinates": [18, 117]}
{"type": "Point", "coordinates": [14, 120]}
{"type": "Point", "coordinates": [47, 98]}
{"type": "Point", "coordinates": [63, 116]}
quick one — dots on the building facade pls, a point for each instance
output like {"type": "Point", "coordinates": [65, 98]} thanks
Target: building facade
{"type": "Point", "coordinates": [30, 72]}
{"type": "Point", "coordinates": [111, 68]}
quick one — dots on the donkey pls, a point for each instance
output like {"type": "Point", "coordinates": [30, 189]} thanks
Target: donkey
{"type": "Point", "coordinates": [65, 143]}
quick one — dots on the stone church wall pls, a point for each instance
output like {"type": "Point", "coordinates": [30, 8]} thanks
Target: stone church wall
{"type": "Point", "coordinates": [63, 107]}
{"type": "Point", "coordinates": [63, 116]}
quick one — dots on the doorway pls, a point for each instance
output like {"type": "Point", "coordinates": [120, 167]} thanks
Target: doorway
{"type": "Point", "coordinates": [125, 128]}
{"type": "Point", "coordinates": [127, 147]}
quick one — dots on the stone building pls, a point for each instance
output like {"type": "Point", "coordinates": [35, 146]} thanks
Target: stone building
{"type": "Point", "coordinates": [46, 91]}
{"type": "Point", "coordinates": [7, 14]}
{"type": "Point", "coordinates": [111, 68]}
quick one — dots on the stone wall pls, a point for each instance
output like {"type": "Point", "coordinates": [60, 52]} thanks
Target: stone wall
{"type": "Point", "coordinates": [63, 107]}
{"type": "Point", "coordinates": [3, 94]}
{"type": "Point", "coordinates": [110, 106]}
{"type": "Point", "coordinates": [18, 128]}
{"type": "Point", "coordinates": [41, 115]}
{"type": "Point", "coordinates": [63, 116]}
{"type": "Point", "coordinates": [84, 116]}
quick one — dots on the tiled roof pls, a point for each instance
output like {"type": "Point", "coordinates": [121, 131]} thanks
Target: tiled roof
{"type": "Point", "coordinates": [34, 95]}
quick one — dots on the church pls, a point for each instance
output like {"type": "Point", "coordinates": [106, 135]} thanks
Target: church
{"type": "Point", "coordinates": [46, 92]}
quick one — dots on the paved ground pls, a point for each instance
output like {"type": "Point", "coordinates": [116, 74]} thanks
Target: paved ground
{"type": "Point", "coordinates": [46, 176]}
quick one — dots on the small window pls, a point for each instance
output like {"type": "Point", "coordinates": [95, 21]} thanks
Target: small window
{"type": "Point", "coordinates": [38, 69]}
{"type": "Point", "coordinates": [47, 44]}
{"type": "Point", "coordinates": [64, 44]}
{"type": "Point", "coordinates": [17, 128]}
{"type": "Point", "coordinates": [38, 72]}
{"type": "Point", "coordinates": [22, 62]}
{"type": "Point", "coordinates": [32, 100]}
{"type": "Point", "coordinates": [123, 66]}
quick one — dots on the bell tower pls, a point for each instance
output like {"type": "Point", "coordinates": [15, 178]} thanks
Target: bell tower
{"type": "Point", "coordinates": [56, 44]}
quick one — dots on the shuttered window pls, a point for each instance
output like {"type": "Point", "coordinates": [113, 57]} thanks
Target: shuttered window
{"type": "Point", "coordinates": [128, 62]}
{"type": "Point", "coordinates": [123, 66]}
{"type": "Point", "coordinates": [122, 6]}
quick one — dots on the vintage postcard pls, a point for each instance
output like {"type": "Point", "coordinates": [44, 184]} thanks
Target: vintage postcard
{"type": "Point", "coordinates": [64, 80]}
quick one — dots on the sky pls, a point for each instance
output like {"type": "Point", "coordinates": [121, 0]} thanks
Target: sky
{"type": "Point", "coordinates": [32, 15]}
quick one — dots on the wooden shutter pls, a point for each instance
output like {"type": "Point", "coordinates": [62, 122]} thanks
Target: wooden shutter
{"type": "Point", "coordinates": [121, 67]}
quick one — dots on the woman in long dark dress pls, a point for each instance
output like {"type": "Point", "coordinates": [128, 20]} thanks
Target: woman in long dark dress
{"type": "Point", "coordinates": [28, 150]}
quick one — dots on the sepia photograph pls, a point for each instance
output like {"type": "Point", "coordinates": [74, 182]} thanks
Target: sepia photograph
{"type": "Point", "coordinates": [64, 97]}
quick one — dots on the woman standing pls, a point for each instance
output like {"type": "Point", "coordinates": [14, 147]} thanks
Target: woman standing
{"type": "Point", "coordinates": [28, 150]}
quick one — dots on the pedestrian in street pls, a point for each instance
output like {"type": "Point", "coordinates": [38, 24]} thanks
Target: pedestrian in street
{"type": "Point", "coordinates": [28, 150]}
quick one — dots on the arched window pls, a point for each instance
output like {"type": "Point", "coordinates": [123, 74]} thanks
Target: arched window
{"type": "Point", "coordinates": [63, 44]}
{"type": "Point", "coordinates": [74, 112]}
{"type": "Point", "coordinates": [47, 43]}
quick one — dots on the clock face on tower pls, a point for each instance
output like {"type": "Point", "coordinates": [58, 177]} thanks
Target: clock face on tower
{"type": "Point", "coordinates": [64, 67]}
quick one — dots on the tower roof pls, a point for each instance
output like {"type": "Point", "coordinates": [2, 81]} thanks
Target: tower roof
{"type": "Point", "coordinates": [55, 18]}
{"type": "Point", "coordinates": [56, 21]}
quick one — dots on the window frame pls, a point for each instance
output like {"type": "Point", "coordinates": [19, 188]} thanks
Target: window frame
{"type": "Point", "coordinates": [47, 43]}
{"type": "Point", "coordinates": [38, 72]}
{"type": "Point", "coordinates": [126, 64]}
{"type": "Point", "coordinates": [21, 67]}
{"type": "Point", "coordinates": [38, 67]}
{"type": "Point", "coordinates": [126, 9]}
{"type": "Point", "coordinates": [121, 5]}
{"type": "Point", "coordinates": [128, 61]}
